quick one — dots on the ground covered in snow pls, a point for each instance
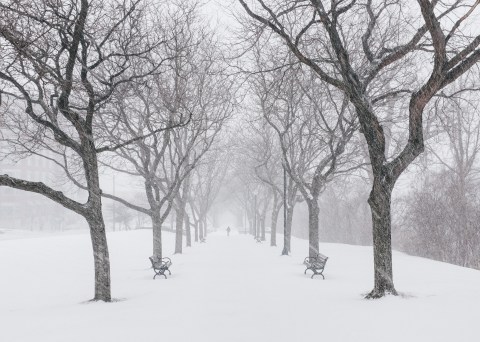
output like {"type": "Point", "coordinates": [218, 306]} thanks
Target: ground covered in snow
{"type": "Point", "coordinates": [228, 289]}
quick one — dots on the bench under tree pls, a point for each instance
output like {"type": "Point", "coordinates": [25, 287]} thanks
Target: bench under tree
{"type": "Point", "coordinates": [316, 264]}
{"type": "Point", "coordinates": [160, 266]}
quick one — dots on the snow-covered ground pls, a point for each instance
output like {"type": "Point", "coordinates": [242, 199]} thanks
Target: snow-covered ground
{"type": "Point", "coordinates": [229, 289]}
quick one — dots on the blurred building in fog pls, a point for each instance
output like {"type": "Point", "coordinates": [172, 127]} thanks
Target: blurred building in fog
{"type": "Point", "coordinates": [24, 210]}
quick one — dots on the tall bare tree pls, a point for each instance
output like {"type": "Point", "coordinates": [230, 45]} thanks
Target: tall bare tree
{"type": "Point", "coordinates": [314, 133]}
{"type": "Point", "coordinates": [194, 95]}
{"type": "Point", "coordinates": [359, 47]}
{"type": "Point", "coordinates": [61, 64]}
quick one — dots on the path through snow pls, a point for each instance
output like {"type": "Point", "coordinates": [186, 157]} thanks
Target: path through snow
{"type": "Point", "coordinates": [229, 289]}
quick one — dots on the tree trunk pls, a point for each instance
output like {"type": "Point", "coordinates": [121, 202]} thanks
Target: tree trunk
{"type": "Point", "coordinates": [157, 234]}
{"type": "Point", "coordinates": [263, 219]}
{"type": "Point", "coordinates": [205, 229]}
{"type": "Point", "coordinates": [179, 227]}
{"type": "Point", "coordinates": [287, 234]}
{"type": "Point", "coordinates": [262, 226]}
{"type": "Point", "coordinates": [273, 224]}
{"type": "Point", "coordinates": [196, 230]}
{"type": "Point", "coordinates": [188, 230]}
{"type": "Point", "coordinates": [380, 205]}
{"type": "Point", "coordinates": [313, 235]}
{"type": "Point", "coordinates": [96, 223]}
{"type": "Point", "coordinates": [200, 230]}
{"type": "Point", "coordinates": [100, 254]}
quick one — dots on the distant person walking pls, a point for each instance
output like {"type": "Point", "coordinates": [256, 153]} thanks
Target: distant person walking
{"type": "Point", "coordinates": [228, 231]}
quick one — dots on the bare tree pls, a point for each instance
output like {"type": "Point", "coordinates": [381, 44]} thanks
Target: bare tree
{"type": "Point", "coordinates": [207, 181]}
{"type": "Point", "coordinates": [193, 86]}
{"type": "Point", "coordinates": [368, 45]}
{"type": "Point", "coordinates": [314, 133]}
{"type": "Point", "coordinates": [61, 64]}
{"type": "Point", "coordinates": [441, 216]}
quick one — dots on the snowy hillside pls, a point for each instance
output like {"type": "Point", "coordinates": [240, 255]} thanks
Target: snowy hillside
{"type": "Point", "coordinates": [229, 289]}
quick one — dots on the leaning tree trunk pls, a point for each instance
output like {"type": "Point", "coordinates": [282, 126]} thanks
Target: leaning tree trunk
{"type": "Point", "coordinates": [188, 230]}
{"type": "Point", "coordinates": [313, 235]}
{"type": "Point", "coordinates": [157, 234]}
{"type": "Point", "coordinates": [380, 205]}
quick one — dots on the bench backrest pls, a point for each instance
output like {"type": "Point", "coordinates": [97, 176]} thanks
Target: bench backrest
{"type": "Point", "coordinates": [160, 263]}
{"type": "Point", "coordinates": [320, 260]}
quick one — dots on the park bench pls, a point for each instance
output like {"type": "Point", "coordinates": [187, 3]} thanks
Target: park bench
{"type": "Point", "coordinates": [161, 266]}
{"type": "Point", "coordinates": [315, 264]}
{"type": "Point", "coordinates": [258, 239]}
{"type": "Point", "coordinates": [203, 240]}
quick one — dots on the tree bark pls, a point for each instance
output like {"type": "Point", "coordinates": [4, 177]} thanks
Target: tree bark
{"type": "Point", "coordinates": [196, 227]}
{"type": "Point", "coordinates": [205, 229]}
{"type": "Point", "coordinates": [263, 219]}
{"type": "Point", "coordinates": [287, 234]}
{"type": "Point", "coordinates": [157, 234]}
{"type": "Point", "coordinates": [380, 205]}
{"type": "Point", "coordinates": [273, 224]}
{"type": "Point", "coordinates": [179, 227]}
{"type": "Point", "coordinates": [313, 231]}
{"type": "Point", "coordinates": [188, 230]}
{"type": "Point", "coordinates": [96, 222]}
{"type": "Point", "coordinates": [100, 254]}
{"type": "Point", "coordinates": [200, 230]}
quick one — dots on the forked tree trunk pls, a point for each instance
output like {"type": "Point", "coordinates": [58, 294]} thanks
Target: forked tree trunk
{"type": "Point", "coordinates": [380, 205]}
{"type": "Point", "coordinates": [100, 254]}
{"type": "Point", "coordinates": [157, 234]}
{"type": "Point", "coordinates": [313, 229]}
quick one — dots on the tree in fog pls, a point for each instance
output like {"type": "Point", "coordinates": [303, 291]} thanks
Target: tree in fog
{"type": "Point", "coordinates": [206, 182]}
{"type": "Point", "coordinates": [360, 48]}
{"type": "Point", "coordinates": [193, 97]}
{"type": "Point", "coordinates": [260, 148]}
{"type": "Point", "coordinates": [313, 132]}
{"type": "Point", "coordinates": [441, 216]}
{"type": "Point", "coordinates": [62, 62]}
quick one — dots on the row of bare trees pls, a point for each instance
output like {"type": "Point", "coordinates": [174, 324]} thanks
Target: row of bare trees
{"type": "Point", "coordinates": [373, 61]}
{"type": "Point", "coordinates": [130, 85]}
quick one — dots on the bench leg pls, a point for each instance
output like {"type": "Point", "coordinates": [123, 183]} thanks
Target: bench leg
{"type": "Point", "coordinates": [169, 272]}
{"type": "Point", "coordinates": [160, 273]}
{"type": "Point", "coordinates": [316, 273]}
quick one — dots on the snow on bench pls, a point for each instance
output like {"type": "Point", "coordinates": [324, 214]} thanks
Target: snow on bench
{"type": "Point", "coordinates": [161, 266]}
{"type": "Point", "coordinates": [315, 264]}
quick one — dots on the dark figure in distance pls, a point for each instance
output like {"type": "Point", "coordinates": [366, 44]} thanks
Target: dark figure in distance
{"type": "Point", "coordinates": [228, 231]}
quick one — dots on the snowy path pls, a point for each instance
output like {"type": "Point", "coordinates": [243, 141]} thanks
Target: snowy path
{"type": "Point", "coordinates": [229, 289]}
